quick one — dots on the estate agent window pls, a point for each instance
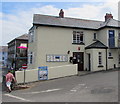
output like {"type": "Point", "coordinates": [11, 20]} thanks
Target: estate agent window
{"type": "Point", "coordinates": [77, 37]}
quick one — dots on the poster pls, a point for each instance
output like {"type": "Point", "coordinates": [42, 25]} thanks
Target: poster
{"type": "Point", "coordinates": [43, 73]}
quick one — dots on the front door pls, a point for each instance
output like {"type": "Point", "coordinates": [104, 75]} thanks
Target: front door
{"type": "Point", "coordinates": [78, 58]}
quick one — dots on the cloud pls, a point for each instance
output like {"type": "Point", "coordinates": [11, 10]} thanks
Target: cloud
{"type": "Point", "coordinates": [14, 25]}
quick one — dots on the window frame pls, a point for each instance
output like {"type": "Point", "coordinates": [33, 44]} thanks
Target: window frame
{"type": "Point", "coordinates": [77, 37]}
{"type": "Point", "coordinates": [99, 58]}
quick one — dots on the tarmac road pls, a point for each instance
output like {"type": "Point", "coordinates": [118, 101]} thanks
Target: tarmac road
{"type": "Point", "coordinates": [96, 87]}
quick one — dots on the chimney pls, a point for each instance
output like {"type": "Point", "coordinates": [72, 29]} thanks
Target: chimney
{"type": "Point", "coordinates": [107, 16]}
{"type": "Point", "coordinates": [61, 14]}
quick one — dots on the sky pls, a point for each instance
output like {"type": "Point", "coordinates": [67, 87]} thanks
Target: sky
{"type": "Point", "coordinates": [16, 16]}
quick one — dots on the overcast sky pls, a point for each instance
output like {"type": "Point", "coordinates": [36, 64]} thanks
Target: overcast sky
{"type": "Point", "coordinates": [16, 17]}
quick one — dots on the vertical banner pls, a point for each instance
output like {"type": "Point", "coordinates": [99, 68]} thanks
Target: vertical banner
{"type": "Point", "coordinates": [43, 73]}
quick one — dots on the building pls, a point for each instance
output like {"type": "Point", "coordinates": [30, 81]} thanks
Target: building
{"type": "Point", "coordinates": [58, 40]}
{"type": "Point", "coordinates": [17, 56]}
{"type": "Point", "coordinates": [3, 56]}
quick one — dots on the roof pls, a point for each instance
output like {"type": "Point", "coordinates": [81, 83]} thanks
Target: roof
{"type": "Point", "coordinates": [39, 19]}
{"type": "Point", "coordinates": [97, 44]}
{"type": "Point", "coordinates": [24, 36]}
{"type": "Point", "coordinates": [3, 48]}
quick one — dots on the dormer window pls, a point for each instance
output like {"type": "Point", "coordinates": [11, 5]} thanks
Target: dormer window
{"type": "Point", "coordinates": [94, 36]}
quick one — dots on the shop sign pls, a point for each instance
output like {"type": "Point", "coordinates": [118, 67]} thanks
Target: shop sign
{"type": "Point", "coordinates": [43, 73]}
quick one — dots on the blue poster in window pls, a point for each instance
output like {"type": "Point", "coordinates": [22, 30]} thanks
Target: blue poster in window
{"type": "Point", "coordinates": [43, 73]}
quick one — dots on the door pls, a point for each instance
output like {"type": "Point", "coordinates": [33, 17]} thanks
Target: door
{"type": "Point", "coordinates": [78, 58]}
{"type": "Point", "coordinates": [89, 62]}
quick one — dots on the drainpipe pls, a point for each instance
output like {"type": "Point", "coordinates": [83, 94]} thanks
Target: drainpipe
{"type": "Point", "coordinates": [106, 60]}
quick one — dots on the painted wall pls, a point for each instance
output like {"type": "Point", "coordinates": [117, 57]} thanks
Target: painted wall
{"type": "Point", "coordinates": [53, 72]}
{"type": "Point", "coordinates": [94, 59]}
{"type": "Point", "coordinates": [55, 40]}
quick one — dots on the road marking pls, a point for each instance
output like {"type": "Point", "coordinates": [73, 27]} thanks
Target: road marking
{"type": "Point", "coordinates": [73, 90]}
{"type": "Point", "coordinates": [16, 97]}
{"type": "Point", "coordinates": [50, 90]}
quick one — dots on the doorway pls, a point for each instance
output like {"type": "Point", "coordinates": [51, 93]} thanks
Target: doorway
{"type": "Point", "coordinates": [89, 62]}
{"type": "Point", "coordinates": [78, 58]}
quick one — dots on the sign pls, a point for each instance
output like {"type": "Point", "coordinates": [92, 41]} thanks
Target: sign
{"type": "Point", "coordinates": [24, 66]}
{"type": "Point", "coordinates": [43, 73]}
{"type": "Point", "coordinates": [56, 58]}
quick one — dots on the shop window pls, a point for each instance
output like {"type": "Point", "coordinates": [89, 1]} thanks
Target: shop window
{"type": "Point", "coordinates": [77, 37]}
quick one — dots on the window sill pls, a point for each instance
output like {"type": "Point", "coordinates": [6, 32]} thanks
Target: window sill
{"type": "Point", "coordinates": [100, 66]}
{"type": "Point", "coordinates": [78, 43]}
{"type": "Point", "coordinates": [110, 57]}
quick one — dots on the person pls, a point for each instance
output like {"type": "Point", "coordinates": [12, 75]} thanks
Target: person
{"type": "Point", "coordinates": [9, 79]}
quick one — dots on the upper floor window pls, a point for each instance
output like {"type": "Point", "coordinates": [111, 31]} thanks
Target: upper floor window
{"type": "Point", "coordinates": [111, 38]}
{"type": "Point", "coordinates": [77, 37]}
{"type": "Point", "coordinates": [31, 36]}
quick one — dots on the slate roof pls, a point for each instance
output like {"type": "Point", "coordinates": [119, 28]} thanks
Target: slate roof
{"type": "Point", "coordinates": [24, 36]}
{"type": "Point", "coordinates": [97, 44]}
{"type": "Point", "coordinates": [72, 22]}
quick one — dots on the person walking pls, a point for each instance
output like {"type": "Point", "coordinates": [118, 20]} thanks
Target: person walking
{"type": "Point", "coordinates": [9, 79]}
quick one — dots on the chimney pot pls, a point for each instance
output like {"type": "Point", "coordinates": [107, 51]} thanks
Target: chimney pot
{"type": "Point", "coordinates": [107, 16]}
{"type": "Point", "coordinates": [61, 14]}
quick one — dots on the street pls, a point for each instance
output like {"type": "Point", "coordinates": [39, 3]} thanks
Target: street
{"type": "Point", "coordinates": [95, 87]}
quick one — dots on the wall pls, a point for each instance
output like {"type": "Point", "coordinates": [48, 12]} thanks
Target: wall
{"type": "Point", "coordinates": [114, 59]}
{"type": "Point", "coordinates": [56, 40]}
{"type": "Point", "coordinates": [53, 72]}
{"type": "Point", "coordinates": [94, 59]}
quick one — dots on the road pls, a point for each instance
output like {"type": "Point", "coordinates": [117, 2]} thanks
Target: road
{"type": "Point", "coordinates": [96, 87]}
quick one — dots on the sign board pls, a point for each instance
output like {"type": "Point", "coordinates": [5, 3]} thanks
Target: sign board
{"type": "Point", "coordinates": [24, 66]}
{"type": "Point", "coordinates": [56, 58]}
{"type": "Point", "coordinates": [43, 73]}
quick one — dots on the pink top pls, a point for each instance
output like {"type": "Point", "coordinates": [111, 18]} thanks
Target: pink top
{"type": "Point", "coordinates": [9, 77]}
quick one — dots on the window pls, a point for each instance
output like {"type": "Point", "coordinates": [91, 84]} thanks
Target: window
{"type": "Point", "coordinates": [119, 59]}
{"type": "Point", "coordinates": [31, 36]}
{"type": "Point", "coordinates": [95, 36]}
{"type": "Point", "coordinates": [119, 36]}
{"type": "Point", "coordinates": [110, 54]}
{"type": "Point", "coordinates": [3, 58]}
{"type": "Point", "coordinates": [100, 58]}
{"type": "Point", "coordinates": [111, 38]}
{"type": "Point", "coordinates": [30, 58]}
{"type": "Point", "coordinates": [56, 58]}
{"type": "Point", "coordinates": [77, 37]}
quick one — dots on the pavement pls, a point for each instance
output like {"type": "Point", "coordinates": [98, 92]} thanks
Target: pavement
{"type": "Point", "coordinates": [93, 87]}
